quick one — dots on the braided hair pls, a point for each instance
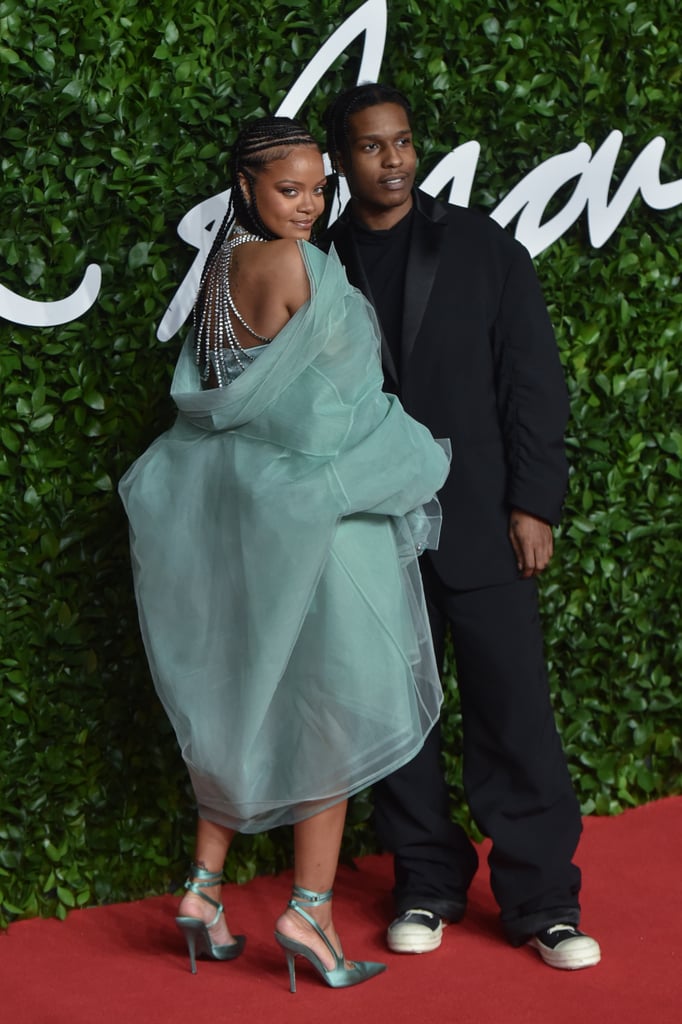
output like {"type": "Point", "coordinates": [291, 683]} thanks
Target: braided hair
{"type": "Point", "coordinates": [259, 143]}
{"type": "Point", "coordinates": [338, 114]}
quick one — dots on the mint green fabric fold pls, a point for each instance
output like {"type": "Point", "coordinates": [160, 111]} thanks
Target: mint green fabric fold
{"type": "Point", "coordinates": [274, 538]}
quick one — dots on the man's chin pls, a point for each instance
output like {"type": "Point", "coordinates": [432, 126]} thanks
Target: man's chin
{"type": "Point", "coordinates": [387, 201]}
{"type": "Point", "coordinates": [391, 198]}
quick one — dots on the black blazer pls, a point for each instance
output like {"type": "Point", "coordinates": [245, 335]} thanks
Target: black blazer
{"type": "Point", "coordinates": [481, 367]}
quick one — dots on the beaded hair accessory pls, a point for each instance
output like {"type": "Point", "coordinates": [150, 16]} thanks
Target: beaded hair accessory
{"type": "Point", "coordinates": [259, 143]}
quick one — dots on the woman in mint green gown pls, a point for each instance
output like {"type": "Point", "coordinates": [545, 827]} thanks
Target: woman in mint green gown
{"type": "Point", "coordinates": [275, 531]}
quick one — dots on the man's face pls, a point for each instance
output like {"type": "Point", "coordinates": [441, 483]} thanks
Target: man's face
{"type": "Point", "coordinates": [381, 163]}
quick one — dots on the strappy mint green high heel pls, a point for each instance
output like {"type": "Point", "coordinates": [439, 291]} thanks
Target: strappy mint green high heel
{"type": "Point", "coordinates": [196, 932]}
{"type": "Point", "coordinates": [339, 976]}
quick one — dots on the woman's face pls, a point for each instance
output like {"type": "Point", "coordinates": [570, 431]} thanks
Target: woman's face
{"type": "Point", "coordinates": [290, 192]}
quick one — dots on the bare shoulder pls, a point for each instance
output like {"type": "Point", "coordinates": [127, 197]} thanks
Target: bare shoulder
{"type": "Point", "coordinates": [284, 270]}
{"type": "Point", "coordinates": [284, 256]}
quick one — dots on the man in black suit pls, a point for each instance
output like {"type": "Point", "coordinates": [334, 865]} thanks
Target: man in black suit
{"type": "Point", "coordinates": [468, 346]}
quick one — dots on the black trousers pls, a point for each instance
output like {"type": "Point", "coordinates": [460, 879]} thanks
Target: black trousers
{"type": "Point", "coordinates": [515, 776]}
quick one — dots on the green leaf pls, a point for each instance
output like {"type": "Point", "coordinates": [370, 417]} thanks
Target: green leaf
{"type": "Point", "coordinates": [42, 422]}
{"type": "Point", "coordinates": [45, 60]}
{"type": "Point", "coordinates": [139, 255]}
{"type": "Point", "coordinates": [121, 156]}
{"type": "Point", "coordinates": [94, 399]}
{"type": "Point", "coordinates": [171, 34]}
{"type": "Point", "coordinates": [8, 56]}
{"type": "Point", "coordinates": [10, 439]}
{"type": "Point", "coordinates": [74, 89]}
{"type": "Point", "coordinates": [66, 896]}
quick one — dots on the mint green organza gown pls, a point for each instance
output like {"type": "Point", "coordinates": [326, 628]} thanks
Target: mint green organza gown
{"type": "Point", "coordinates": [274, 538]}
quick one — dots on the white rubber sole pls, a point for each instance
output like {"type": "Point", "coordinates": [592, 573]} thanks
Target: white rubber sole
{"type": "Point", "coordinates": [571, 954]}
{"type": "Point", "coordinates": [414, 938]}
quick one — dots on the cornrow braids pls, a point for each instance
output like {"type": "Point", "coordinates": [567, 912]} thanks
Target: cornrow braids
{"type": "Point", "coordinates": [337, 117]}
{"type": "Point", "coordinates": [259, 143]}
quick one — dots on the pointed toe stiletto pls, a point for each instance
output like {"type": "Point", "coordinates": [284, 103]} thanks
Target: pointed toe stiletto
{"type": "Point", "coordinates": [197, 932]}
{"type": "Point", "coordinates": [339, 976]}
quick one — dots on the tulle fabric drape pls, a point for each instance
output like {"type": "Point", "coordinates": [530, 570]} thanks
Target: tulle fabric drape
{"type": "Point", "coordinates": [274, 537]}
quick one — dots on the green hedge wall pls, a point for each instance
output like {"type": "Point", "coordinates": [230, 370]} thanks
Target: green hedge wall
{"type": "Point", "coordinates": [116, 119]}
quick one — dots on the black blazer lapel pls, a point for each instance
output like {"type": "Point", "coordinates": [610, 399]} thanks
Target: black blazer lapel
{"type": "Point", "coordinates": [427, 237]}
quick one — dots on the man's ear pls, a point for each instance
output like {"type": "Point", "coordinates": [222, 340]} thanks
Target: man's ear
{"type": "Point", "coordinates": [339, 164]}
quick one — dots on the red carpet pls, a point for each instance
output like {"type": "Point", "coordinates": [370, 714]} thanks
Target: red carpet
{"type": "Point", "coordinates": [126, 963]}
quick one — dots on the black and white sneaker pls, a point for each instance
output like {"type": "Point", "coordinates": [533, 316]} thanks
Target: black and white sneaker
{"type": "Point", "coordinates": [563, 946]}
{"type": "Point", "coordinates": [415, 931]}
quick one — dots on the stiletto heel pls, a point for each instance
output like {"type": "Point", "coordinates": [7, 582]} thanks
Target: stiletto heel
{"type": "Point", "coordinates": [196, 932]}
{"type": "Point", "coordinates": [291, 964]}
{"type": "Point", "coordinates": [338, 976]}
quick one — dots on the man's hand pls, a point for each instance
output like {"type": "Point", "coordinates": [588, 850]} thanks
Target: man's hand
{"type": "Point", "coordinates": [532, 541]}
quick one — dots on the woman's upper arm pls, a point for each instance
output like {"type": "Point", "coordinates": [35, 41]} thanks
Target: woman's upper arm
{"type": "Point", "coordinates": [290, 275]}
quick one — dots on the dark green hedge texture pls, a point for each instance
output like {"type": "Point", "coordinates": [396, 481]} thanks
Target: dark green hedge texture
{"type": "Point", "coordinates": [116, 119]}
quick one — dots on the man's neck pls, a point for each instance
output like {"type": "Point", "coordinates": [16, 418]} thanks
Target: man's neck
{"type": "Point", "coordinates": [379, 219]}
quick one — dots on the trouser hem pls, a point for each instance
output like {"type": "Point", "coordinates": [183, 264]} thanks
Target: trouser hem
{"type": "Point", "coordinates": [522, 929]}
{"type": "Point", "coordinates": [451, 910]}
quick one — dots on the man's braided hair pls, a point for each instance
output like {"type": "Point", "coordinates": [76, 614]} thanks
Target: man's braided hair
{"type": "Point", "coordinates": [352, 101]}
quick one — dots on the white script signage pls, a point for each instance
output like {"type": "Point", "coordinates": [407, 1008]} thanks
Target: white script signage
{"type": "Point", "coordinates": [528, 200]}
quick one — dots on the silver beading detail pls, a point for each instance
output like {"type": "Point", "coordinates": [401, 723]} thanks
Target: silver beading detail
{"type": "Point", "coordinates": [215, 334]}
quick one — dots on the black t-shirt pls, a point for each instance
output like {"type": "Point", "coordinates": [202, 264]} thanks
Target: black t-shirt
{"type": "Point", "coordinates": [383, 255]}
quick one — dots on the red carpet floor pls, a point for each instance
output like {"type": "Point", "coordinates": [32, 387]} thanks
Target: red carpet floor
{"type": "Point", "coordinates": [126, 963]}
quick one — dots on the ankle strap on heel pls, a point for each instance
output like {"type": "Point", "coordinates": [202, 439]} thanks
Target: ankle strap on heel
{"type": "Point", "coordinates": [308, 898]}
{"type": "Point", "coordinates": [200, 879]}
{"type": "Point", "coordinates": [203, 878]}
{"type": "Point", "coordinates": [301, 898]}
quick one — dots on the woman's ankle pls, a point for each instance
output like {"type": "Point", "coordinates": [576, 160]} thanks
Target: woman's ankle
{"type": "Point", "coordinates": [294, 926]}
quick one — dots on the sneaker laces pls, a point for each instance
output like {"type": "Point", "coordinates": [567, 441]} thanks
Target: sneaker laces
{"type": "Point", "coordinates": [561, 928]}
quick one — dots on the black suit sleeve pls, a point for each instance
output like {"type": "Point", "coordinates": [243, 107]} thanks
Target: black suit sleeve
{"type": "Point", "coordinates": [532, 395]}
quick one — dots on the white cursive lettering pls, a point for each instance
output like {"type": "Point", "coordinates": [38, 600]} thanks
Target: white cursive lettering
{"type": "Point", "coordinates": [527, 201]}
{"type": "Point", "coordinates": [595, 174]}
{"type": "Point", "coordinates": [32, 313]}
{"type": "Point", "coordinates": [200, 224]}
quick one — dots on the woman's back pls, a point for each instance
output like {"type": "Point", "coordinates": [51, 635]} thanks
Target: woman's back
{"type": "Point", "coordinates": [268, 283]}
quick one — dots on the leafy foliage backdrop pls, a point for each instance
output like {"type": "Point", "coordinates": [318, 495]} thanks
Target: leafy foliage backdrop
{"type": "Point", "coordinates": [116, 119]}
